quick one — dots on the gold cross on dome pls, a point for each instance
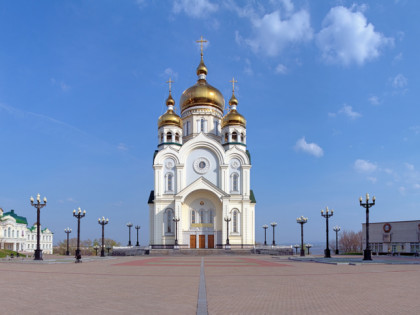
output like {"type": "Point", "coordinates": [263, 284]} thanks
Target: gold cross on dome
{"type": "Point", "coordinates": [201, 41]}
{"type": "Point", "coordinates": [170, 84]}
{"type": "Point", "coordinates": [233, 81]}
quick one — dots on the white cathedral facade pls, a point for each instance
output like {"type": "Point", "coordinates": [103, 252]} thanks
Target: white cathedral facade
{"type": "Point", "coordinates": [202, 195]}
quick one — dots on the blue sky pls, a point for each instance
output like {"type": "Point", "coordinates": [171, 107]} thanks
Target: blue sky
{"type": "Point", "coordinates": [327, 88]}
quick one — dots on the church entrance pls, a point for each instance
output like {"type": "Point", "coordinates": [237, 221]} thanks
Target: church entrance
{"type": "Point", "coordinates": [202, 241]}
{"type": "Point", "coordinates": [193, 241]}
{"type": "Point", "coordinates": [210, 241]}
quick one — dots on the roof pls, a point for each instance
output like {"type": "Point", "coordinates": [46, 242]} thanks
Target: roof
{"type": "Point", "coordinates": [151, 196]}
{"type": "Point", "coordinates": [252, 197]}
{"type": "Point", "coordinates": [19, 219]}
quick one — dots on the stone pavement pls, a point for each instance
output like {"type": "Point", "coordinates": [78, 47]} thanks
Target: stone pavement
{"type": "Point", "coordinates": [233, 285]}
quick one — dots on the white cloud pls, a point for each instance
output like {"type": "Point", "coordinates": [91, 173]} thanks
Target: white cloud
{"type": "Point", "coordinates": [348, 38]}
{"type": "Point", "coordinates": [272, 33]}
{"type": "Point", "coordinates": [281, 69]}
{"type": "Point", "coordinates": [415, 129]}
{"type": "Point", "coordinates": [248, 68]}
{"type": "Point", "coordinates": [64, 86]}
{"type": "Point", "coordinates": [311, 148]}
{"type": "Point", "coordinates": [122, 147]}
{"type": "Point", "coordinates": [374, 100]}
{"type": "Point", "coordinates": [399, 81]}
{"type": "Point", "coordinates": [372, 179]}
{"type": "Point", "coordinates": [346, 110]}
{"type": "Point", "coordinates": [416, 186]}
{"type": "Point", "coordinates": [195, 8]}
{"type": "Point", "coordinates": [170, 73]}
{"type": "Point", "coordinates": [364, 166]}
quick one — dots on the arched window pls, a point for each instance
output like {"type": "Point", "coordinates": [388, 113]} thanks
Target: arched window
{"type": "Point", "coordinates": [177, 137]}
{"type": "Point", "coordinates": [242, 137]}
{"type": "Point", "coordinates": [169, 220]}
{"type": "Point", "coordinates": [169, 182]}
{"type": "Point", "coordinates": [192, 216]}
{"type": "Point", "coordinates": [216, 128]}
{"type": "Point", "coordinates": [169, 136]}
{"type": "Point", "coordinates": [8, 232]}
{"type": "Point", "coordinates": [234, 136]}
{"type": "Point", "coordinates": [202, 216]}
{"type": "Point", "coordinates": [187, 128]}
{"type": "Point", "coordinates": [13, 233]}
{"type": "Point", "coordinates": [235, 221]}
{"type": "Point", "coordinates": [226, 137]}
{"type": "Point", "coordinates": [235, 182]}
{"type": "Point", "coordinates": [211, 220]}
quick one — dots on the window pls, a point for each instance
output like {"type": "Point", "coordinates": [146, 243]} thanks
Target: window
{"type": "Point", "coordinates": [234, 136]}
{"type": "Point", "coordinates": [169, 182]}
{"type": "Point", "coordinates": [169, 137]}
{"type": "Point", "coordinates": [235, 182]}
{"type": "Point", "coordinates": [13, 233]}
{"type": "Point", "coordinates": [216, 128]}
{"type": "Point", "coordinates": [235, 221]}
{"type": "Point", "coordinates": [8, 232]}
{"type": "Point", "coordinates": [177, 137]}
{"type": "Point", "coordinates": [169, 220]}
{"type": "Point", "coordinates": [187, 128]}
{"type": "Point", "coordinates": [192, 216]}
{"type": "Point", "coordinates": [226, 137]}
{"type": "Point", "coordinates": [161, 137]}
{"type": "Point", "coordinates": [202, 216]}
{"type": "Point", "coordinates": [242, 137]}
{"type": "Point", "coordinates": [211, 216]}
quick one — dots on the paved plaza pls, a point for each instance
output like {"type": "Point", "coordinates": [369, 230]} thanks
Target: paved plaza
{"type": "Point", "coordinates": [231, 285]}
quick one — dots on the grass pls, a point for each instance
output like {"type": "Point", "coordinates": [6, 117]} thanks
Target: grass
{"type": "Point", "coordinates": [7, 252]}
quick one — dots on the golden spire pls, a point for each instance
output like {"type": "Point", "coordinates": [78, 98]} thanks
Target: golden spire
{"type": "Point", "coordinates": [170, 85]}
{"type": "Point", "coordinates": [170, 101]}
{"type": "Point", "coordinates": [233, 100]}
{"type": "Point", "coordinates": [201, 41]}
{"type": "Point", "coordinates": [201, 69]}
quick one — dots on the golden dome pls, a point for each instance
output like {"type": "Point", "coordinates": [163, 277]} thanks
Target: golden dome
{"type": "Point", "coordinates": [170, 118]}
{"type": "Point", "coordinates": [202, 93]}
{"type": "Point", "coordinates": [202, 69]}
{"type": "Point", "coordinates": [233, 118]}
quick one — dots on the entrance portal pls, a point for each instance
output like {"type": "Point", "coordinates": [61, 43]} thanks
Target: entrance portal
{"type": "Point", "coordinates": [210, 241]}
{"type": "Point", "coordinates": [193, 241]}
{"type": "Point", "coordinates": [202, 241]}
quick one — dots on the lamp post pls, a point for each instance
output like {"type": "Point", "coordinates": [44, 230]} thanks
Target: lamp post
{"type": "Point", "coordinates": [296, 246]}
{"type": "Point", "coordinates": [103, 222]}
{"type": "Point", "coordinates": [96, 247]}
{"type": "Point", "coordinates": [308, 246]}
{"type": "Point", "coordinates": [336, 230]}
{"type": "Point", "coordinates": [67, 231]}
{"type": "Point", "coordinates": [274, 224]}
{"type": "Point", "coordinates": [129, 224]}
{"type": "Point", "coordinates": [327, 215]}
{"type": "Point", "coordinates": [38, 205]}
{"type": "Point", "coordinates": [265, 227]}
{"type": "Point", "coordinates": [78, 216]}
{"type": "Point", "coordinates": [137, 227]}
{"type": "Point", "coordinates": [176, 220]}
{"type": "Point", "coordinates": [301, 220]}
{"type": "Point", "coordinates": [227, 220]}
{"type": "Point", "coordinates": [367, 253]}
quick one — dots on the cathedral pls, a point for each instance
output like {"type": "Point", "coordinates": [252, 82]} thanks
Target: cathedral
{"type": "Point", "coordinates": [202, 195]}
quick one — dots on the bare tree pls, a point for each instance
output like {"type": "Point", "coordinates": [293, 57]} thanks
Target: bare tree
{"type": "Point", "coordinates": [350, 241]}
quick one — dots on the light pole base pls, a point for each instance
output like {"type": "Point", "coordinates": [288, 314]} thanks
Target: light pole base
{"type": "Point", "coordinates": [367, 254]}
{"type": "Point", "coordinates": [67, 253]}
{"type": "Point", "coordinates": [38, 254]}
{"type": "Point", "coordinates": [176, 247]}
{"type": "Point", "coordinates": [302, 252]}
{"type": "Point", "coordinates": [103, 253]}
{"type": "Point", "coordinates": [327, 253]}
{"type": "Point", "coordinates": [227, 247]}
{"type": "Point", "coordinates": [337, 252]}
{"type": "Point", "coordinates": [137, 244]}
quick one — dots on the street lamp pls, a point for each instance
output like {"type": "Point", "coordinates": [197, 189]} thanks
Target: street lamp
{"type": "Point", "coordinates": [103, 222]}
{"type": "Point", "coordinates": [78, 215]}
{"type": "Point", "coordinates": [265, 227]}
{"type": "Point", "coordinates": [38, 205]}
{"type": "Point", "coordinates": [327, 215]}
{"type": "Point", "coordinates": [137, 227]}
{"type": "Point", "coordinates": [336, 230]}
{"type": "Point", "coordinates": [96, 247]}
{"type": "Point", "coordinates": [301, 220]}
{"type": "Point", "coordinates": [227, 220]}
{"type": "Point", "coordinates": [367, 253]}
{"type": "Point", "coordinates": [176, 220]}
{"type": "Point", "coordinates": [129, 224]}
{"type": "Point", "coordinates": [308, 246]}
{"type": "Point", "coordinates": [67, 231]}
{"type": "Point", "coordinates": [274, 224]}
{"type": "Point", "coordinates": [296, 246]}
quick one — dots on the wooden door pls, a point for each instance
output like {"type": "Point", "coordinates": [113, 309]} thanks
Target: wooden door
{"type": "Point", "coordinates": [193, 239]}
{"type": "Point", "coordinates": [210, 241]}
{"type": "Point", "coordinates": [202, 241]}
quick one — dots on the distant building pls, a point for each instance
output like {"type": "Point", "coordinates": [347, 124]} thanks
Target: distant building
{"type": "Point", "coordinates": [15, 234]}
{"type": "Point", "coordinates": [393, 237]}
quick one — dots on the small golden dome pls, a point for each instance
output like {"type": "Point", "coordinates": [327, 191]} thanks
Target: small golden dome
{"type": "Point", "coordinates": [170, 118]}
{"type": "Point", "coordinates": [170, 101]}
{"type": "Point", "coordinates": [202, 69]}
{"type": "Point", "coordinates": [233, 118]}
{"type": "Point", "coordinates": [202, 93]}
{"type": "Point", "coordinates": [233, 100]}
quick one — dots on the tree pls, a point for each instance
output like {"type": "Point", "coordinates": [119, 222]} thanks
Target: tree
{"type": "Point", "coordinates": [86, 246]}
{"type": "Point", "coordinates": [350, 241]}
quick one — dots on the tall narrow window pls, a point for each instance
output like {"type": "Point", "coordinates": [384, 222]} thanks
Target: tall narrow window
{"type": "Point", "coordinates": [202, 125]}
{"type": "Point", "coordinates": [8, 232]}
{"type": "Point", "coordinates": [177, 137]}
{"type": "Point", "coordinates": [235, 222]}
{"type": "Point", "coordinates": [170, 184]}
{"type": "Point", "coordinates": [169, 218]}
{"type": "Point", "coordinates": [211, 216]}
{"type": "Point", "coordinates": [192, 216]}
{"type": "Point", "coordinates": [216, 128]}
{"type": "Point", "coordinates": [187, 128]}
{"type": "Point", "coordinates": [226, 137]}
{"type": "Point", "coordinates": [161, 137]}
{"type": "Point", "coordinates": [235, 182]}
{"type": "Point", "coordinates": [242, 137]}
{"type": "Point", "coordinates": [169, 137]}
{"type": "Point", "coordinates": [234, 136]}
{"type": "Point", "coordinates": [202, 216]}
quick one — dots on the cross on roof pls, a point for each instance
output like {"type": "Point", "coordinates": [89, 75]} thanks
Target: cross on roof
{"type": "Point", "coordinates": [233, 81]}
{"type": "Point", "coordinates": [201, 41]}
{"type": "Point", "coordinates": [170, 84]}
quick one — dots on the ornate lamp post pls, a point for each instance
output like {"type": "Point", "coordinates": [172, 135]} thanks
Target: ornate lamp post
{"type": "Point", "coordinates": [367, 253]}
{"type": "Point", "coordinates": [265, 227]}
{"type": "Point", "coordinates": [176, 220]}
{"type": "Point", "coordinates": [78, 216]}
{"type": "Point", "coordinates": [38, 205]}
{"type": "Point", "coordinates": [96, 247]}
{"type": "Point", "coordinates": [227, 220]}
{"type": "Point", "coordinates": [129, 224]}
{"type": "Point", "coordinates": [67, 231]}
{"type": "Point", "coordinates": [274, 224]}
{"type": "Point", "coordinates": [301, 220]}
{"type": "Point", "coordinates": [137, 227]}
{"type": "Point", "coordinates": [296, 246]}
{"type": "Point", "coordinates": [103, 222]}
{"type": "Point", "coordinates": [336, 230]}
{"type": "Point", "coordinates": [308, 246]}
{"type": "Point", "coordinates": [327, 215]}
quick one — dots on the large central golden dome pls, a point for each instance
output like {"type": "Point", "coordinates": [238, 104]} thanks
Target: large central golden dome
{"type": "Point", "coordinates": [202, 93]}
